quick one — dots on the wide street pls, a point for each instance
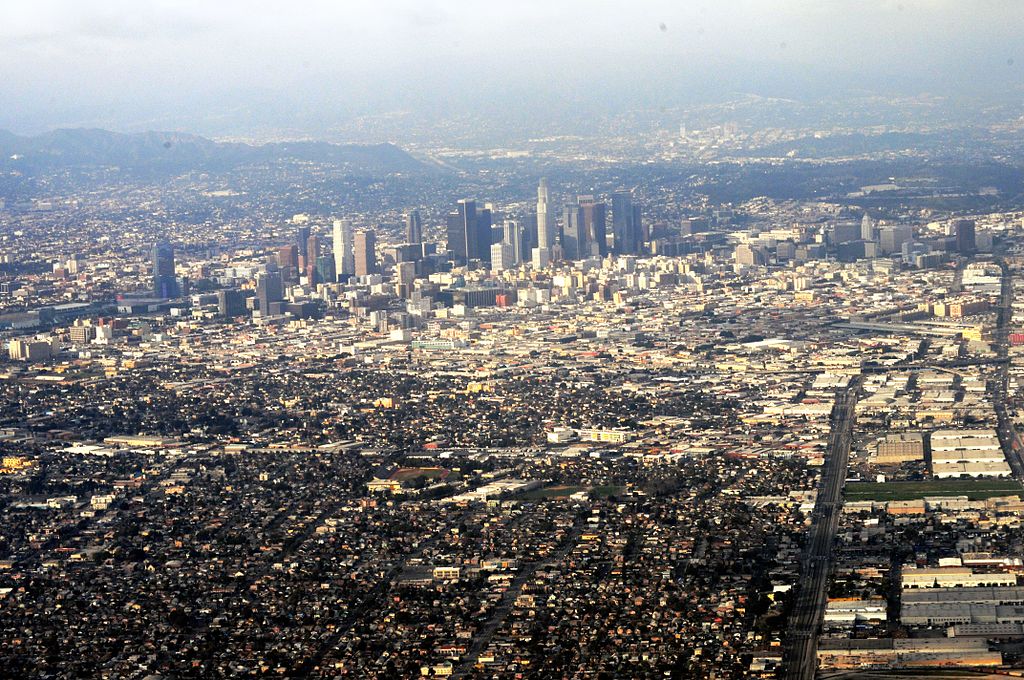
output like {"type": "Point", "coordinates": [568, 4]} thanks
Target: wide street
{"type": "Point", "coordinates": [800, 658]}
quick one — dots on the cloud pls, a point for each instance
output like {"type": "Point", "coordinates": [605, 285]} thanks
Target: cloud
{"type": "Point", "coordinates": [164, 24]}
{"type": "Point", "coordinates": [429, 15]}
{"type": "Point", "coordinates": [61, 22]}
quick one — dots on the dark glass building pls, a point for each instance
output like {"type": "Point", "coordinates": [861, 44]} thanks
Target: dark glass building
{"type": "Point", "coordinates": [469, 233]}
{"type": "Point", "coordinates": [165, 285]}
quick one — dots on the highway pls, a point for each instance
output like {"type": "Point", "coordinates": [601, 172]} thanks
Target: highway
{"type": "Point", "coordinates": [1007, 434]}
{"type": "Point", "coordinates": [800, 656]}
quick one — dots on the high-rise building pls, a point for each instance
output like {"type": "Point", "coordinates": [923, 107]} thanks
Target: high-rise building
{"type": "Point", "coordinates": [785, 250]}
{"type": "Point", "coordinates": [626, 227]}
{"type": "Point", "coordinates": [529, 226]}
{"type": "Point", "coordinates": [687, 226]}
{"type": "Point", "coordinates": [484, 234]}
{"type": "Point", "coordinates": [851, 251]}
{"type": "Point", "coordinates": [230, 302]}
{"type": "Point", "coordinates": [366, 253]}
{"type": "Point", "coordinates": [302, 242]}
{"type": "Point", "coordinates": [344, 254]}
{"type": "Point", "coordinates": [892, 237]}
{"type": "Point", "coordinates": [288, 261]}
{"type": "Point", "coordinates": [165, 285]}
{"type": "Point", "coordinates": [545, 218]}
{"type": "Point", "coordinates": [82, 333]}
{"type": "Point", "coordinates": [843, 232]}
{"type": "Point", "coordinates": [595, 223]}
{"type": "Point", "coordinates": [746, 254]}
{"type": "Point", "coordinates": [501, 257]}
{"type": "Point", "coordinates": [867, 228]}
{"type": "Point", "coordinates": [911, 249]}
{"type": "Point", "coordinates": [413, 227]}
{"type": "Point", "coordinates": [963, 230]}
{"type": "Point", "coordinates": [541, 258]}
{"type": "Point", "coordinates": [406, 252]}
{"type": "Point", "coordinates": [574, 232]}
{"type": "Point", "coordinates": [459, 232]}
{"type": "Point", "coordinates": [405, 273]}
{"type": "Point", "coordinates": [312, 255]}
{"type": "Point", "coordinates": [983, 241]}
{"type": "Point", "coordinates": [469, 232]}
{"type": "Point", "coordinates": [31, 350]}
{"type": "Point", "coordinates": [642, 228]}
{"type": "Point", "coordinates": [269, 290]}
{"type": "Point", "coordinates": [325, 272]}
{"type": "Point", "coordinates": [515, 236]}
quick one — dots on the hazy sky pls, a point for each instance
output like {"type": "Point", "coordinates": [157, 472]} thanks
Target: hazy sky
{"type": "Point", "coordinates": [129, 63]}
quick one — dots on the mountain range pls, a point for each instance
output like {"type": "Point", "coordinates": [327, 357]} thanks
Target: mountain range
{"type": "Point", "coordinates": [181, 152]}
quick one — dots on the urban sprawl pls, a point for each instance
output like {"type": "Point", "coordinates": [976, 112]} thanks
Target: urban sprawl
{"type": "Point", "coordinates": [603, 434]}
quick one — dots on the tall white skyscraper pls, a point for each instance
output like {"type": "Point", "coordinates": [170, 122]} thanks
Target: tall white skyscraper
{"type": "Point", "coordinates": [344, 253]}
{"type": "Point", "coordinates": [867, 228]}
{"type": "Point", "coordinates": [545, 220]}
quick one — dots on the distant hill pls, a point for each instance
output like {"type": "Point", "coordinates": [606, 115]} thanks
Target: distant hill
{"type": "Point", "coordinates": [856, 144]}
{"type": "Point", "coordinates": [180, 152]}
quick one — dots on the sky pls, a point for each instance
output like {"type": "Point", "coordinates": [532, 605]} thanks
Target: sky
{"type": "Point", "coordinates": [144, 64]}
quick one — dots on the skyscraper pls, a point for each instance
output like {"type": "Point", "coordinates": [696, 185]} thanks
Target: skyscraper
{"type": "Point", "coordinates": [164, 283]}
{"type": "Point", "coordinates": [842, 232]}
{"type": "Point", "coordinates": [366, 253]}
{"type": "Point", "coordinates": [963, 230]}
{"type": "Point", "coordinates": [312, 256]}
{"type": "Point", "coordinates": [325, 272]}
{"type": "Point", "coordinates": [230, 302]}
{"type": "Point", "coordinates": [746, 254]}
{"type": "Point", "coordinates": [269, 289]}
{"type": "Point", "coordinates": [302, 243]}
{"type": "Point", "coordinates": [892, 237]}
{"type": "Point", "coordinates": [484, 234]}
{"type": "Point", "coordinates": [461, 230]}
{"type": "Point", "coordinates": [595, 223]}
{"type": "Point", "coordinates": [501, 257]}
{"type": "Point", "coordinates": [867, 228]}
{"type": "Point", "coordinates": [288, 261]}
{"type": "Point", "coordinates": [405, 273]}
{"type": "Point", "coordinates": [545, 220]}
{"type": "Point", "coordinates": [469, 232]}
{"type": "Point", "coordinates": [515, 236]}
{"type": "Point", "coordinates": [626, 230]}
{"type": "Point", "coordinates": [574, 232]}
{"type": "Point", "coordinates": [541, 258]}
{"type": "Point", "coordinates": [529, 225]}
{"type": "Point", "coordinates": [344, 257]}
{"type": "Point", "coordinates": [640, 228]}
{"type": "Point", "coordinates": [413, 227]}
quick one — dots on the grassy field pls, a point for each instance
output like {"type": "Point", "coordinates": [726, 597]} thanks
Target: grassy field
{"type": "Point", "coordinates": [974, 489]}
{"type": "Point", "coordinates": [564, 491]}
{"type": "Point", "coordinates": [605, 491]}
{"type": "Point", "coordinates": [910, 674]}
{"type": "Point", "coordinates": [545, 492]}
